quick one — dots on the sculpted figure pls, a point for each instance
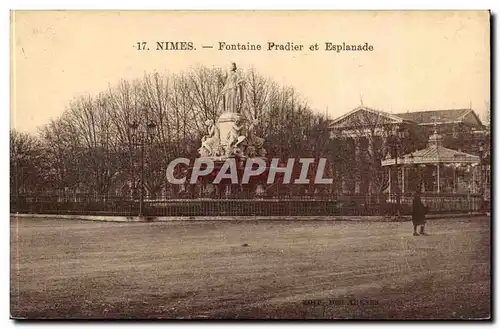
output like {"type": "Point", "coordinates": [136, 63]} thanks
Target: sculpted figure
{"type": "Point", "coordinates": [255, 143]}
{"type": "Point", "coordinates": [210, 143]}
{"type": "Point", "coordinates": [235, 138]}
{"type": "Point", "coordinates": [233, 91]}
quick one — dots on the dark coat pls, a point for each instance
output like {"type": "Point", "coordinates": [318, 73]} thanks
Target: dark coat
{"type": "Point", "coordinates": [418, 211]}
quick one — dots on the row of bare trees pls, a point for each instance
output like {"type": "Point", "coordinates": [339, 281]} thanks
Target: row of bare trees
{"type": "Point", "coordinates": [93, 146]}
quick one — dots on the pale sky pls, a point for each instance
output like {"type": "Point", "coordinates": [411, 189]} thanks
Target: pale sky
{"type": "Point", "coordinates": [420, 61]}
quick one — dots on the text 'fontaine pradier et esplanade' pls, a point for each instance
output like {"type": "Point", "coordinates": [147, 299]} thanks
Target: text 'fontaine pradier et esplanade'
{"type": "Point", "coordinates": [291, 46]}
{"type": "Point", "coordinates": [268, 46]}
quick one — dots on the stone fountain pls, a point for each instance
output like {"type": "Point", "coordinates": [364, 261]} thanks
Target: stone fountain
{"type": "Point", "coordinates": [231, 136]}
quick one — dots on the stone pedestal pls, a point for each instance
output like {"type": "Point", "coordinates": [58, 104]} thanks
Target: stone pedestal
{"type": "Point", "coordinates": [230, 128]}
{"type": "Point", "coordinates": [231, 136]}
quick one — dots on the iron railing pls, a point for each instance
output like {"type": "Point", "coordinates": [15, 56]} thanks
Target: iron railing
{"type": "Point", "coordinates": [326, 205]}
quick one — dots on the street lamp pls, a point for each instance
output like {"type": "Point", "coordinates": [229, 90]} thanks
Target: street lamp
{"type": "Point", "coordinates": [18, 168]}
{"type": "Point", "coordinates": [482, 176]}
{"type": "Point", "coordinates": [411, 161]}
{"type": "Point", "coordinates": [144, 134]}
{"type": "Point", "coordinates": [396, 143]}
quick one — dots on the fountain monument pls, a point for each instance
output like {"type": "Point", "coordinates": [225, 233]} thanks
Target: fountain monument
{"type": "Point", "coordinates": [231, 136]}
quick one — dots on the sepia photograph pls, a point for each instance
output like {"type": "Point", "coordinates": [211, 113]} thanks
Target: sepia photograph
{"type": "Point", "coordinates": [250, 165]}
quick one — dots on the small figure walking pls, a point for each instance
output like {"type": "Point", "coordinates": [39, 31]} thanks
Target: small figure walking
{"type": "Point", "coordinates": [418, 214]}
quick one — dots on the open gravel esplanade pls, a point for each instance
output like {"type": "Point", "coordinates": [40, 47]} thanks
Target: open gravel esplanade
{"type": "Point", "coordinates": [249, 270]}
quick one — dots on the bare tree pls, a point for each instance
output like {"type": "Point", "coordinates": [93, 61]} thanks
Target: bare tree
{"type": "Point", "coordinates": [26, 159]}
{"type": "Point", "coordinates": [90, 121]}
{"type": "Point", "coordinates": [61, 165]}
{"type": "Point", "coordinates": [126, 106]}
{"type": "Point", "coordinates": [94, 148]}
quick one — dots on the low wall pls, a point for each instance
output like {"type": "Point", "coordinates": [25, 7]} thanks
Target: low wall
{"type": "Point", "coordinates": [135, 219]}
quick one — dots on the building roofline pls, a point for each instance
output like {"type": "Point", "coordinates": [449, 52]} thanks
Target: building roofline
{"type": "Point", "coordinates": [374, 111]}
{"type": "Point", "coordinates": [439, 123]}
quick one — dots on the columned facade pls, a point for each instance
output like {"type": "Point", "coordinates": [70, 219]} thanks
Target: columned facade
{"type": "Point", "coordinates": [368, 138]}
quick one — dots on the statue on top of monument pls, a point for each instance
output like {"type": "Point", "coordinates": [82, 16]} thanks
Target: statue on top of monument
{"type": "Point", "coordinates": [232, 134]}
{"type": "Point", "coordinates": [233, 91]}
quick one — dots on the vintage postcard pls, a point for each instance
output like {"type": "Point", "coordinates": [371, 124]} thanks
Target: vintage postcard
{"type": "Point", "coordinates": [250, 165]}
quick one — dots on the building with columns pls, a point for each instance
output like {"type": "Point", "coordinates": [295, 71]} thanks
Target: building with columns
{"type": "Point", "coordinates": [368, 138]}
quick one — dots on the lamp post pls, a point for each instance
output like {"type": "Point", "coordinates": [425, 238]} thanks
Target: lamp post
{"type": "Point", "coordinates": [481, 177]}
{"type": "Point", "coordinates": [18, 202]}
{"type": "Point", "coordinates": [144, 133]}
{"type": "Point", "coordinates": [412, 174]}
{"type": "Point", "coordinates": [397, 139]}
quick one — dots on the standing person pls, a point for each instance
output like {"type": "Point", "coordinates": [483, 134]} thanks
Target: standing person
{"type": "Point", "coordinates": [418, 214]}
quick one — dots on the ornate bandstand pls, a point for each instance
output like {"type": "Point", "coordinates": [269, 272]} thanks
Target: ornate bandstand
{"type": "Point", "coordinates": [434, 165]}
